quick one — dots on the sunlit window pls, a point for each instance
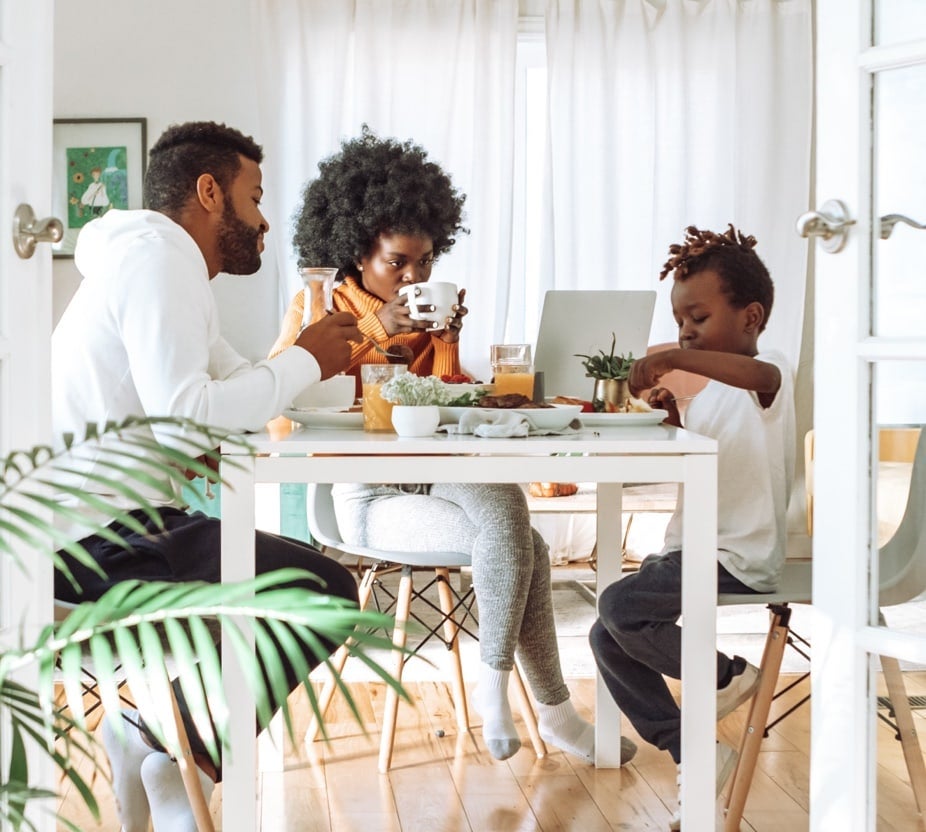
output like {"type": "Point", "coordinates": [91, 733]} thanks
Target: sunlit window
{"type": "Point", "coordinates": [525, 298]}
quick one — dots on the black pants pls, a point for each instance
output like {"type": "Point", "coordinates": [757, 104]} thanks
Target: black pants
{"type": "Point", "coordinates": [189, 549]}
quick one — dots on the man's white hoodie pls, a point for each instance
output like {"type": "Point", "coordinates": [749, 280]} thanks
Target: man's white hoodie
{"type": "Point", "coordinates": [141, 337]}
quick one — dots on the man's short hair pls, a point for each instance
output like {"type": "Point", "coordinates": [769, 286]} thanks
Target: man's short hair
{"type": "Point", "coordinates": [184, 152]}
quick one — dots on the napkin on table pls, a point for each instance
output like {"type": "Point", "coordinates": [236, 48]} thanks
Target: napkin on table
{"type": "Point", "coordinates": [501, 423]}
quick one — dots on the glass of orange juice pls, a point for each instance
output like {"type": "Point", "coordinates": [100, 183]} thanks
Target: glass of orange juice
{"type": "Point", "coordinates": [513, 369]}
{"type": "Point", "coordinates": [377, 412]}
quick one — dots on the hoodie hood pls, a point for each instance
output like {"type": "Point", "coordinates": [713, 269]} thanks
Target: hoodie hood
{"type": "Point", "coordinates": [103, 243]}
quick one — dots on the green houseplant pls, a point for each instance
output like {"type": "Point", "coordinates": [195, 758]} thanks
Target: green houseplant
{"type": "Point", "coordinates": [137, 623]}
{"type": "Point", "coordinates": [611, 373]}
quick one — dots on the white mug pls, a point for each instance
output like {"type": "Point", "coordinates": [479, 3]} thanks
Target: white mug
{"type": "Point", "coordinates": [421, 296]}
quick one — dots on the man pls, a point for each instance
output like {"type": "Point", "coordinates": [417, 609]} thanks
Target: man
{"type": "Point", "coordinates": [141, 338]}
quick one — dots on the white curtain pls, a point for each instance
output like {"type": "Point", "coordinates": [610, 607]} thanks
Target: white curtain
{"type": "Point", "coordinates": [439, 72]}
{"type": "Point", "coordinates": [669, 113]}
{"type": "Point", "coordinates": [661, 114]}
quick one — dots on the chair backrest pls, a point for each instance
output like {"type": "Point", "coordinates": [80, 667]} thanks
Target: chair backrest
{"type": "Point", "coordinates": [902, 560]}
{"type": "Point", "coordinates": [323, 526]}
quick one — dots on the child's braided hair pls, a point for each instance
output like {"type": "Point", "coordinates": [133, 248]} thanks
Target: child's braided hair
{"type": "Point", "coordinates": [732, 256]}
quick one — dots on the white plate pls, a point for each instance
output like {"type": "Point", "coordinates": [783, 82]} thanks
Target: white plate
{"type": "Point", "coordinates": [542, 418]}
{"type": "Point", "coordinates": [613, 420]}
{"type": "Point", "coordinates": [328, 418]}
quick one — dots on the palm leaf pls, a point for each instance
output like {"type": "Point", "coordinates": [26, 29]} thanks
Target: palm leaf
{"type": "Point", "coordinates": [137, 626]}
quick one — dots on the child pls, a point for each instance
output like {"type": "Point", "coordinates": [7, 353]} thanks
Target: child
{"type": "Point", "coordinates": [721, 301]}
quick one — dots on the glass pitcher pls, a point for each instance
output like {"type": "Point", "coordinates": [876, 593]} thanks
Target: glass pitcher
{"type": "Point", "coordinates": [318, 293]}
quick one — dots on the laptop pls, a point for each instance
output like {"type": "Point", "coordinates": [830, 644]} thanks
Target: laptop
{"type": "Point", "coordinates": [581, 322]}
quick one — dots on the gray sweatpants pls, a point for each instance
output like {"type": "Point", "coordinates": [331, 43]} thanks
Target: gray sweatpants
{"type": "Point", "coordinates": [511, 566]}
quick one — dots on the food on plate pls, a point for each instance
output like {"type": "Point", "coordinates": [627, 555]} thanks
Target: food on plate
{"type": "Point", "coordinates": [509, 401]}
{"type": "Point", "coordinates": [552, 489]}
{"type": "Point", "coordinates": [457, 378]}
{"type": "Point", "coordinates": [587, 407]}
{"type": "Point", "coordinates": [635, 405]}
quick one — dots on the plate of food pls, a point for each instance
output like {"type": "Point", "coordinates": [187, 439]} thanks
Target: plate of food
{"type": "Point", "coordinates": [549, 417]}
{"type": "Point", "coordinates": [327, 418]}
{"type": "Point", "coordinates": [611, 420]}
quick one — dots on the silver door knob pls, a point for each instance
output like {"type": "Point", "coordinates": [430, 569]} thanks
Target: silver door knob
{"type": "Point", "coordinates": [831, 224]}
{"type": "Point", "coordinates": [27, 231]}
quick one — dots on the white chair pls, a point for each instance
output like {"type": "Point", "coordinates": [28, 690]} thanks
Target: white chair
{"type": "Point", "coordinates": [455, 609]}
{"type": "Point", "coordinates": [902, 577]}
{"type": "Point", "coordinates": [794, 588]}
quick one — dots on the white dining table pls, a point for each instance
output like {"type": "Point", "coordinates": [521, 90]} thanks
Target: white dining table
{"type": "Point", "coordinates": [607, 456]}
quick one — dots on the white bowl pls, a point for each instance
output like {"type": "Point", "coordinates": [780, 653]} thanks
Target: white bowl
{"type": "Point", "coordinates": [337, 392]}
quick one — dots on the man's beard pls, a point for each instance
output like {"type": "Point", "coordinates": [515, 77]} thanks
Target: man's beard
{"type": "Point", "coordinates": [238, 244]}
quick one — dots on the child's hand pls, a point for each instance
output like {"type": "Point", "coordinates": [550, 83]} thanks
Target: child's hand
{"type": "Point", "coordinates": [661, 398]}
{"type": "Point", "coordinates": [646, 372]}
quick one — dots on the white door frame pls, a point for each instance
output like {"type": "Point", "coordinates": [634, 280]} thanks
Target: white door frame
{"type": "Point", "coordinates": [843, 749]}
{"type": "Point", "coordinates": [26, 79]}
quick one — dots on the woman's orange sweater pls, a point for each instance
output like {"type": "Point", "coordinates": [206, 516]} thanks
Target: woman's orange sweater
{"type": "Point", "coordinates": [432, 355]}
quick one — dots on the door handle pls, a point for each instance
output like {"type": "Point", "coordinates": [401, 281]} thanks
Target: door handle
{"type": "Point", "coordinates": [831, 224]}
{"type": "Point", "coordinates": [888, 221]}
{"type": "Point", "coordinates": [27, 231]}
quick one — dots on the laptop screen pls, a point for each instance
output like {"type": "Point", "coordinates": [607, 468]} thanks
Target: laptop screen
{"type": "Point", "coordinates": [581, 322]}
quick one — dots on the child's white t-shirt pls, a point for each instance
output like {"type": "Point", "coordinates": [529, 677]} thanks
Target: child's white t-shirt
{"type": "Point", "coordinates": [755, 471]}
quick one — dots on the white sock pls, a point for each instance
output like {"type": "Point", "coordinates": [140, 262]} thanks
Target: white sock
{"type": "Point", "coordinates": [170, 806]}
{"type": "Point", "coordinates": [491, 700]}
{"type": "Point", "coordinates": [126, 754]}
{"type": "Point", "coordinates": [561, 726]}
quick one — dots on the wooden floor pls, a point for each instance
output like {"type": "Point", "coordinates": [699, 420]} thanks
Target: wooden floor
{"type": "Point", "coordinates": [445, 782]}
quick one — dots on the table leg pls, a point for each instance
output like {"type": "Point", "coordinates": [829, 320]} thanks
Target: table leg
{"type": "Point", "coordinates": [607, 714]}
{"type": "Point", "coordinates": [699, 642]}
{"type": "Point", "coordinates": [239, 786]}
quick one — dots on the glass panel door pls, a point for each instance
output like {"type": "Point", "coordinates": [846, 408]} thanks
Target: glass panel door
{"type": "Point", "coordinates": [870, 402]}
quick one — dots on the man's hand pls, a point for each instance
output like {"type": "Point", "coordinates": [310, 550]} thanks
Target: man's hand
{"type": "Point", "coordinates": [211, 461]}
{"type": "Point", "coordinates": [328, 339]}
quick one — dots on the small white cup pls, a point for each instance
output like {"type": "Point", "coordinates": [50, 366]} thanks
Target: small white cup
{"type": "Point", "coordinates": [337, 391]}
{"type": "Point", "coordinates": [421, 296]}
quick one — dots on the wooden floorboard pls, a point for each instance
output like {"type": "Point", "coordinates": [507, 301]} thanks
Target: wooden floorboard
{"type": "Point", "coordinates": [443, 779]}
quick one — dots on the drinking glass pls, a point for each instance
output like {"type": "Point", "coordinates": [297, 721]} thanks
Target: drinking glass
{"type": "Point", "coordinates": [513, 369]}
{"type": "Point", "coordinates": [377, 412]}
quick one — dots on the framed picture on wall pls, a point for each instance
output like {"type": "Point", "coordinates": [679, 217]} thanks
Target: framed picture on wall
{"type": "Point", "coordinates": [97, 164]}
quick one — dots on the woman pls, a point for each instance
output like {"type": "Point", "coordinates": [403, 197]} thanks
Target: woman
{"type": "Point", "coordinates": [382, 213]}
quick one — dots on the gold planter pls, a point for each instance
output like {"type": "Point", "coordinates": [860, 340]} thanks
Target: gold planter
{"type": "Point", "coordinates": [611, 395]}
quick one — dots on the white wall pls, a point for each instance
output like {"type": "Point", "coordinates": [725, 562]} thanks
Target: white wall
{"type": "Point", "coordinates": [168, 61]}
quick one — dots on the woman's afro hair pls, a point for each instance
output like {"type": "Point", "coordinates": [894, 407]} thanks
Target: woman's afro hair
{"type": "Point", "coordinates": [374, 186]}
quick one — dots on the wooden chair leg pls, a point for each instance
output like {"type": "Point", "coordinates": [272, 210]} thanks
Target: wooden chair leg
{"type": "Point", "coordinates": [770, 666]}
{"type": "Point", "coordinates": [451, 629]}
{"type": "Point", "coordinates": [527, 712]}
{"type": "Point", "coordinates": [903, 716]}
{"type": "Point", "coordinates": [403, 604]}
{"type": "Point", "coordinates": [338, 660]}
{"type": "Point", "coordinates": [190, 775]}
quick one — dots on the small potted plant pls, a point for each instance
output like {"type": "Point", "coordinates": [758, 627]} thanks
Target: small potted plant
{"type": "Point", "coordinates": [416, 401]}
{"type": "Point", "coordinates": [611, 373]}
